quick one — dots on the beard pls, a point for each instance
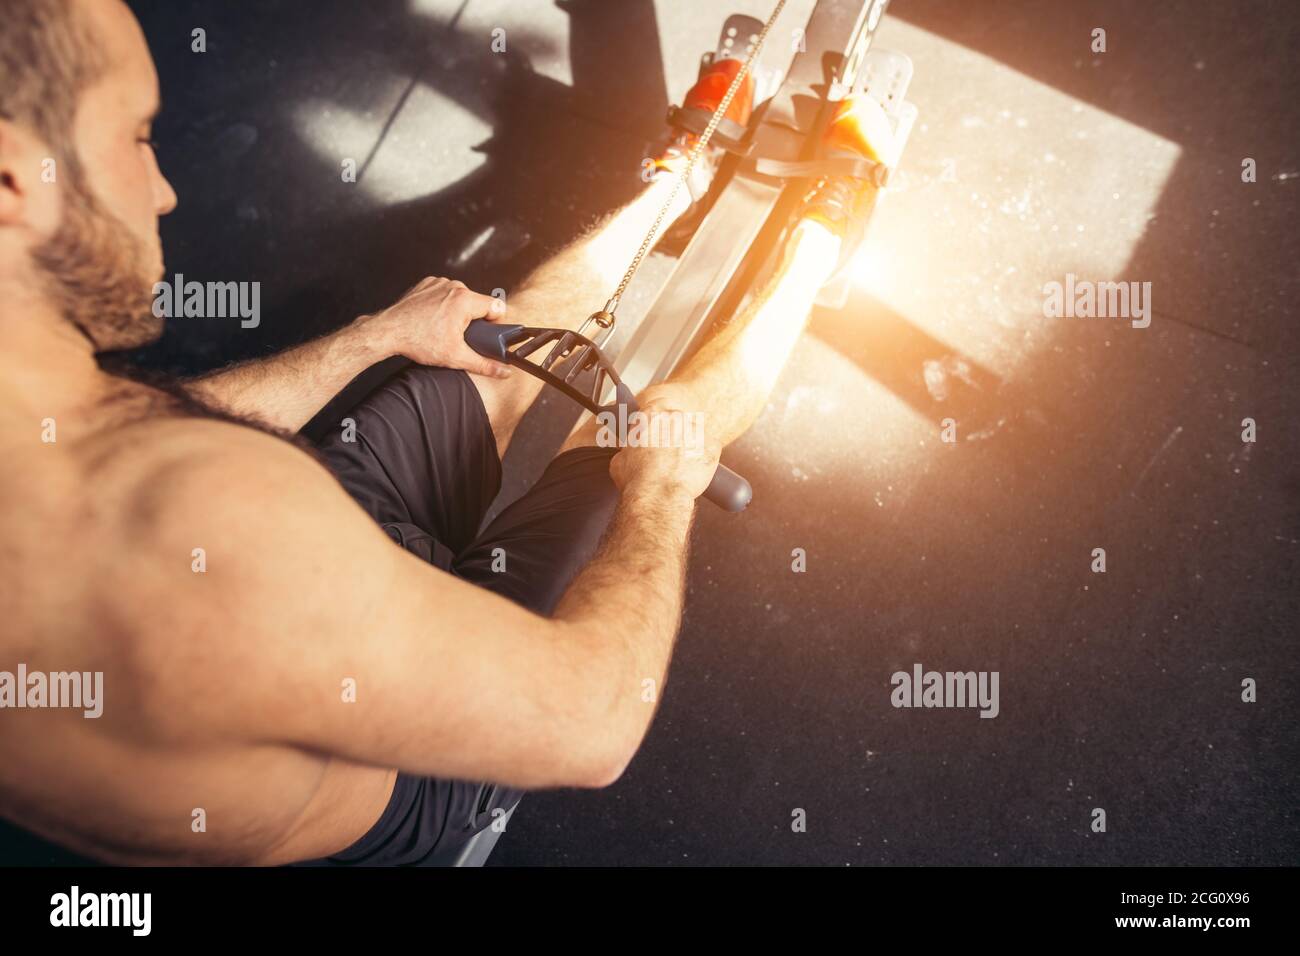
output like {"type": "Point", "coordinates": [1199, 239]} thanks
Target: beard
{"type": "Point", "coordinates": [95, 272]}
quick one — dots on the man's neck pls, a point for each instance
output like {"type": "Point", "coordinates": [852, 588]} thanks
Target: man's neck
{"type": "Point", "coordinates": [46, 364]}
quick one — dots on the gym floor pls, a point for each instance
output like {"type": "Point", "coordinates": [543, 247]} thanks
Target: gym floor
{"type": "Point", "coordinates": [1033, 158]}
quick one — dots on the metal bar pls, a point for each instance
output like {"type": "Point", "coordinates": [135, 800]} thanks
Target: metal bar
{"type": "Point", "coordinates": [479, 847]}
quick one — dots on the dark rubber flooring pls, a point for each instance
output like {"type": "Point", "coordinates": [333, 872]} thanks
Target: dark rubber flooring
{"type": "Point", "coordinates": [1034, 158]}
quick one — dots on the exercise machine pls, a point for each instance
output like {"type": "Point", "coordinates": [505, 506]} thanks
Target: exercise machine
{"type": "Point", "coordinates": [771, 165]}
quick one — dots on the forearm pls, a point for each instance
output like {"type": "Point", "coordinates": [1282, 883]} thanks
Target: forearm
{"type": "Point", "coordinates": [287, 389]}
{"type": "Point", "coordinates": [623, 611]}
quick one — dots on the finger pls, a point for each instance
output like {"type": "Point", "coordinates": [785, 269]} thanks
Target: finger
{"type": "Point", "coordinates": [663, 404]}
{"type": "Point", "coordinates": [476, 364]}
{"type": "Point", "coordinates": [479, 306]}
{"type": "Point", "coordinates": [422, 286]}
{"type": "Point", "coordinates": [668, 397]}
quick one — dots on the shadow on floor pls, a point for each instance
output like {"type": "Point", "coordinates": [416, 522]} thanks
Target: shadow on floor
{"type": "Point", "coordinates": [259, 202]}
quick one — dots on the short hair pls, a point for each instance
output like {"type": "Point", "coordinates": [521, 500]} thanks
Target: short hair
{"type": "Point", "coordinates": [48, 57]}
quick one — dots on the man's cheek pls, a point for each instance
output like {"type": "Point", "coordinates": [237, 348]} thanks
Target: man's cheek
{"type": "Point", "coordinates": [48, 197]}
{"type": "Point", "coordinates": [122, 186]}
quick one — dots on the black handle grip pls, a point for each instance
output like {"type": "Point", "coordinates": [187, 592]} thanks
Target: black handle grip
{"type": "Point", "coordinates": [491, 339]}
{"type": "Point", "coordinates": [729, 491]}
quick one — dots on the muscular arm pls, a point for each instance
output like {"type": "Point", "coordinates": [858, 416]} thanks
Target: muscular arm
{"type": "Point", "coordinates": [631, 595]}
{"type": "Point", "coordinates": [287, 389]}
{"type": "Point", "coordinates": [427, 325]}
{"type": "Point", "coordinates": [305, 597]}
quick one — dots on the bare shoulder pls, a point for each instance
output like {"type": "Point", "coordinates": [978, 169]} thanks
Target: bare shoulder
{"type": "Point", "coordinates": [207, 484]}
{"type": "Point", "coordinates": [229, 547]}
{"type": "Point", "coordinates": [233, 505]}
{"type": "Point", "coordinates": [173, 454]}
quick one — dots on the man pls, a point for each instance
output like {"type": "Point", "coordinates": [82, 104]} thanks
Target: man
{"type": "Point", "coordinates": [285, 677]}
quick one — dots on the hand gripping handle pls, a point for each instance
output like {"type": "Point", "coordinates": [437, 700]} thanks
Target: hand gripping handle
{"type": "Point", "coordinates": [727, 490]}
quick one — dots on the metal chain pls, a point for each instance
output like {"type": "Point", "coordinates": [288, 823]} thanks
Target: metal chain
{"type": "Point", "coordinates": [612, 305]}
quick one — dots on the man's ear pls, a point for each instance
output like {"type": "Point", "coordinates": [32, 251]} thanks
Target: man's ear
{"type": "Point", "coordinates": [29, 175]}
{"type": "Point", "coordinates": [12, 186]}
